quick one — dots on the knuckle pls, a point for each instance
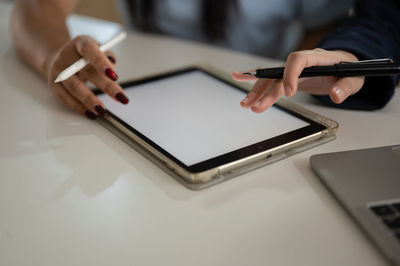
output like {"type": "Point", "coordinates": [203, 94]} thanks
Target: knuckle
{"type": "Point", "coordinates": [85, 45]}
{"type": "Point", "coordinates": [73, 86]}
{"type": "Point", "coordinates": [88, 98]}
{"type": "Point", "coordinates": [87, 72]}
{"type": "Point", "coordinates": [97, 60]}
{"type": "Point", "coordinates": [109, 88]}
{"type": "Point", "coordinates": [79, 39]}
{"type": "Point", "coordinates": [82, 37]}
{"type": "Point", "coordinates": [294, 56]}
{"type": "Point", "coordinates": [319, 50]}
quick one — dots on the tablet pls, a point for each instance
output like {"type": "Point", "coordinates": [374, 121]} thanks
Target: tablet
{"type": "Point", "coordinates": [190, 122]}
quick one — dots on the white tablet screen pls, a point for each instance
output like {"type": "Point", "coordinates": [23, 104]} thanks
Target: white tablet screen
{"type": "Point", "coordinates": [195, 117]}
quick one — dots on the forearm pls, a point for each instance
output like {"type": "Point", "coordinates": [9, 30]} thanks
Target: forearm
{"type": "Point", "coordinates": [39, 31]}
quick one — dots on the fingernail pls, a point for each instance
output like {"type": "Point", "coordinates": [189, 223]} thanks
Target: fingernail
{"type": "Point", "coordinates": [90, 115]}
{"type": "Point", "coordinates": [339, 93]}
{"type": "Point", "coordinates": [245, 100]}
{"type": "Point", "coordinates": [111, 58]}
{"type": "Point", "coordinates": [111, 74]}
{"type": "Point", "coordinates": [122, 98]}
{"type": "Point", "coordinates": [257, 104]}
{"type": "Point", "coordinates": [100, 110]}
{"type": "Point", "coordinates": [288, 91]}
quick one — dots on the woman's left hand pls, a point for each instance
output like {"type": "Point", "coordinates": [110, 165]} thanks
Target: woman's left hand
{"type": "Point", "coordinates": [266, 92]}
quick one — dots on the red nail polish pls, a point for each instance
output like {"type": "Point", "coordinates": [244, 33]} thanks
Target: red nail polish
{"type": "Point", "coordinates": [100, 110]}
{"type": "Point", "coordinates": [111, 58]}
{"type": "Point", "coordinates": [111, 74]}
{"type": "Point", "coordinates": [90, 115]}
{"type": "Point", "coordinates": [122, 98]}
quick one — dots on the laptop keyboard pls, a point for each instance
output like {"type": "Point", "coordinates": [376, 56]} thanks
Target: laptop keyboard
{"type": "Point", "coordinates": [389, 214]}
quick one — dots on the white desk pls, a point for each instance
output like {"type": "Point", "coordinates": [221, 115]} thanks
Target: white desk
{"type": "Point", "coordinates": [71, 193]}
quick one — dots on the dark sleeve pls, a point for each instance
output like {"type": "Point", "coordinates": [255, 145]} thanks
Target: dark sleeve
{"type": "Point", "coordinates": [373, 32]}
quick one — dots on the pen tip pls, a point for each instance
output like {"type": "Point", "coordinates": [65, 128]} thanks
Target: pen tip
{"type": "Point", "coordinates": [58, 79]}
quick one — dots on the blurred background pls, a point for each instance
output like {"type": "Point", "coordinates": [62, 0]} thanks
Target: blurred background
{"type": "Point", "coordinates": [107, 10]}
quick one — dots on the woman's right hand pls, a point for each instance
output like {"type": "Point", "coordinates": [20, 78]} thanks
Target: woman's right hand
{"type": "Point", "coordinates": [100, 71]}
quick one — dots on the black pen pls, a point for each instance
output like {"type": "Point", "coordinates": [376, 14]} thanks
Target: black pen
{"type": "Point", "coordinates": [376, 67]}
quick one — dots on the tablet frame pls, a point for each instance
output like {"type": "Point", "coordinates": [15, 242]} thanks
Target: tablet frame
{"type": "Point", "coordinates": [223, 167]}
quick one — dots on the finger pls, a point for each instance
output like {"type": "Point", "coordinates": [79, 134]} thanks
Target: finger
{"type": "Point", "coordinates": [113, 89]}
{"type": "Point", "coordinates": [345, 87]}
{"type": "Point", "coordinates": [83, 94]}
{"type": "Point", "coordinates": [71, 102]}
{"type": "Point", "coordinates": [297, 61]}
{"type": "Point", "coordinates": [90, 50]}
{"type": "Point", "coordinates": [87, 72]}
{"type": "Point", "coordinates": [317, 85]}
{"type": "Point", "coordinates": [271, 96]}
{"type": "Point", "coordinates": [256, 92]}
{"type": "Point", "coordinates": [295, 64]}
{"type": "Point", "coordinates": [239, 76]}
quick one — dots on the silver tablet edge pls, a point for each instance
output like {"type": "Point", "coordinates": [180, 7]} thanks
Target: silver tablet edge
{"type": "Point", "coordinates": [221, 173]}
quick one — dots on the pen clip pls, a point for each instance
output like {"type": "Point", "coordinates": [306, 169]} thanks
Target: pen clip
{"type": "Point", "coordinates": [372, 61]}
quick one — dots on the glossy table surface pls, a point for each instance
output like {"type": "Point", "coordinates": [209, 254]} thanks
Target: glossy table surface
{"type": "Point", "coordinates": [71, 193]}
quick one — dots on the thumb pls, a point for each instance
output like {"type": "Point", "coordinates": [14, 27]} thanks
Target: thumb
{"type": "Point", "coordinates": [345, 87]}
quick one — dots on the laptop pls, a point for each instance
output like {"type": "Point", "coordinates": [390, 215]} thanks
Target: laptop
{"type": "Point", "coordinates": [367, 183]}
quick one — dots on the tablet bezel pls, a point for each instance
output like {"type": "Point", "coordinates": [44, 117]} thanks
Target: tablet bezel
{"type": "Point", "coordinates": [227, 158]}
